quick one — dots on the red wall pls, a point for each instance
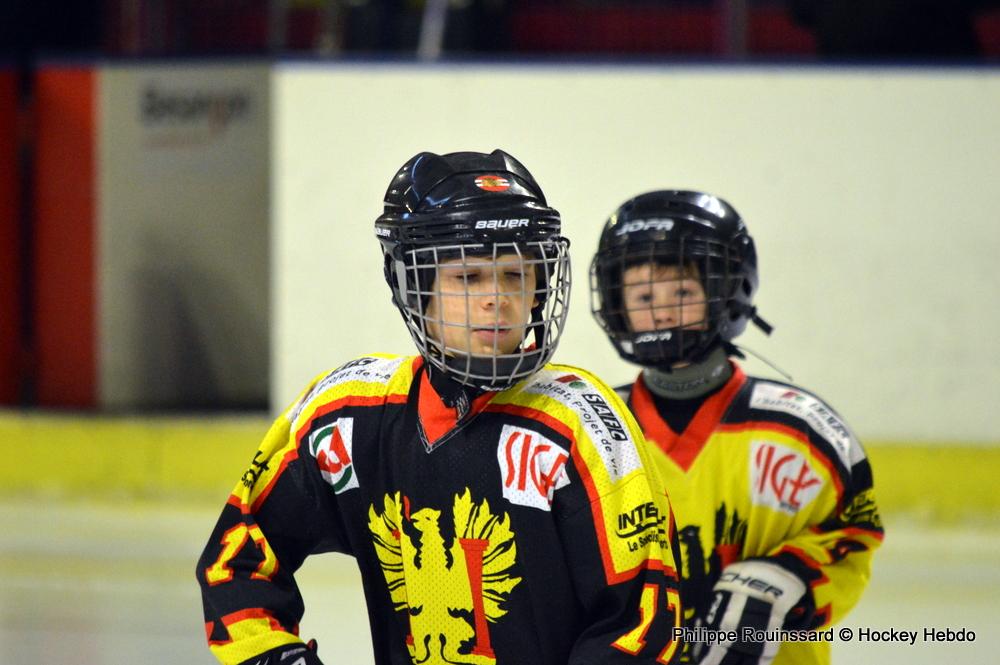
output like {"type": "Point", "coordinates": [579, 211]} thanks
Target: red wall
{"type": "Point", "coordinates": [63, 269]}
{"type": "Point", "coordinates": [10, 241]}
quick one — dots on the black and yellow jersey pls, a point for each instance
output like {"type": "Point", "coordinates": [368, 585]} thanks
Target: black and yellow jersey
{"type": "Point", "coordinates": [528, 530]}
{"type": "Point", "coordinates": [766, 469]}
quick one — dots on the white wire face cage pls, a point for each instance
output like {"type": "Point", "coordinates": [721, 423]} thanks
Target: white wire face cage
{"type": "Point", "coordinates": [488, 315]}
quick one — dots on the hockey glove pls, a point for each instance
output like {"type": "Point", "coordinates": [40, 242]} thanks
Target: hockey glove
{"type": "Point", "coordinates": [288, 654]}
{"type": "Point", "coordinates": [750, 597]}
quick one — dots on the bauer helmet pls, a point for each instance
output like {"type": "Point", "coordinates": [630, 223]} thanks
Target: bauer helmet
{"type": "Point", "coordinates": [475, 207]}
{"type": "Point", "coordinates": [704, 237]}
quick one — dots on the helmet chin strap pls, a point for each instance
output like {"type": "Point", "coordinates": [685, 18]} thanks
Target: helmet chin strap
{"type": "Point", "coordinates": [764, 326]}
{"type": "Point", "coordinates": [452, 393]}
{"type": "Point", "coordinates": [690, 381]}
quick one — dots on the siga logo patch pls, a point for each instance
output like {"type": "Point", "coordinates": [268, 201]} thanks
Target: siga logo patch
{"type": "Point", "coordinates": [532, 467]}
{"type": "Point", "coordinates": [781, 478]}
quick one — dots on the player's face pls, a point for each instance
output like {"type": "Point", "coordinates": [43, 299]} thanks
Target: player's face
{"type": "Point", "coordinates": [658, 296]}
{"type": "Point", "coordinates": [481, 305]}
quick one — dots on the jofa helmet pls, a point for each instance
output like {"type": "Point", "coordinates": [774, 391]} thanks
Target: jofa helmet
{"type": "Point", "coordinates": [469, 209]}
{"type": "Point", "coordinates": [705, 238]}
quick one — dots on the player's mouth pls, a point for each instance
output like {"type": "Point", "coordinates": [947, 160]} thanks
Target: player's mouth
{"type": "Point", "coordinates": [489, 334]}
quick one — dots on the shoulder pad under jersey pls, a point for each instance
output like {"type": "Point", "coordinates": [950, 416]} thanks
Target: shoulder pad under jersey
{"type": "Point", "coordinates": [375, 372]}
{"type": "Point", "coordinates": [813, 412]}
{"type": "Point", "coordinates": [592, 408]}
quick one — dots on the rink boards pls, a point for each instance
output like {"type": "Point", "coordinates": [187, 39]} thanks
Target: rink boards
{"type": "Point", "coordinates": [200, 459]}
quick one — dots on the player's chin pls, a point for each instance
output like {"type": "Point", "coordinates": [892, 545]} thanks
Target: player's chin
{"type": "Point", "coordinates": [491, 341]}
{"type": "Point", "coordinates": [490, 349]}
{"type": "Point", "coordinates": [492, 352]}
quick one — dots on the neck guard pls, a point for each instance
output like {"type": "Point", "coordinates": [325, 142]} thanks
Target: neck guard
{"type": "Point", "coordinates": [691, 381]}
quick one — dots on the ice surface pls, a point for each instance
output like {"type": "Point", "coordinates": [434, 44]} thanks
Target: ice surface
{"type": "Point", "coordinates": [101, 584]}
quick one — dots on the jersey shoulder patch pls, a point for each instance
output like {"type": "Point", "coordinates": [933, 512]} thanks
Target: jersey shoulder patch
{"type": "Point", "coordinates": [599, 413]}
{"type": "Point", "coordinates": [814, 412]}
{"type": "Point", "coordinates": [375, 370]}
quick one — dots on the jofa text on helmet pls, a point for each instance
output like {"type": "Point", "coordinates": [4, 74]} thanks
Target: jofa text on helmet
{"type": "Point", "coordinates": [654, 336]}
{"type": "Point", "coordinates": [513, 223]}
{"type": "Point", "coordinates": [651, 224]}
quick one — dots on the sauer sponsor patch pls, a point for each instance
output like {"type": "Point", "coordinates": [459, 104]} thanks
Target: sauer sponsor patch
{"type": "Point", "coordinates": [610, 436]}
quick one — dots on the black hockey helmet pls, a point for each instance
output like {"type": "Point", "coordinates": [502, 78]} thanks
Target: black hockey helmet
{"type": "Point", "coordinates": [693, 230]}
{"type": "Point", "coordinates": [470, 204]}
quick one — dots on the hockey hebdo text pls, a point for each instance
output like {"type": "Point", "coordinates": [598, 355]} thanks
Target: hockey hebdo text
{"type": "Point", "coordinates": [863, 634]}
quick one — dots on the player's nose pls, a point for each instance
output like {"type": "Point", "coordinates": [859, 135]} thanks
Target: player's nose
{"type": "Point", "coordinates": [665, 315]}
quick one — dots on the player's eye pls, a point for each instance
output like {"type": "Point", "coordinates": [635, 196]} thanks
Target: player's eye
{"type": "Point", "coordinates": [458, 278]}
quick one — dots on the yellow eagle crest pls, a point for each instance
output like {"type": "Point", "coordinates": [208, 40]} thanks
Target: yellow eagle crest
{"type": "Point", "coordinates": [451, 591]}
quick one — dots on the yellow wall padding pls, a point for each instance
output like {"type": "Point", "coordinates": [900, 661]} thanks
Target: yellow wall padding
{"type": "Point", "coordinates": [104, 457]}
{"type": "Point", "coordinates": [200, 459]}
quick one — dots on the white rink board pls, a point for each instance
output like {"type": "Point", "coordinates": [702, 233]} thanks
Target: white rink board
{"type": "Point", "coordinates": [183, 250]}
{"type": "Point", "coordinates": [871, 193]}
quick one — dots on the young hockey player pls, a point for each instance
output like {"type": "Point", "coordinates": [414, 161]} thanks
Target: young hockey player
{"type": "Point", "coordinates": [771, 490]}
{"type": "Point", "coordinates": [499, 507]}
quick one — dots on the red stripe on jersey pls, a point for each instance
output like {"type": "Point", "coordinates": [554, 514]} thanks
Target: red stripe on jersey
{"type": "Point", "coordinates": [853, 531]}
{"type": "Point", "coordinates": [598, 513]}
{"type": "Point", "coordinates": [209, 626]}
{"type": "Point", "coordinates": [289, 457]}
{"type": "Point", "coordinates": [685, 447]}
{"type": "Point", "coordinates": [237, 502]}
{"type": "Point", "coordinates": [243, 615]}
{"type": "Point", "coordinates": [822, 615]}
{"type": "Point", "coordinates": [258, 613]}
{"type": "Point", "coordinates": [350, 400]}
{"type": "Point", "coordinates": [554, 424]}
{"type": "Point", "coordinates": [810, 562]}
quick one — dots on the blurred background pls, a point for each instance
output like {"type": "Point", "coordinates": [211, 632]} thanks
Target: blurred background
{"type": "Point", "coordinates": [187, 192]}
